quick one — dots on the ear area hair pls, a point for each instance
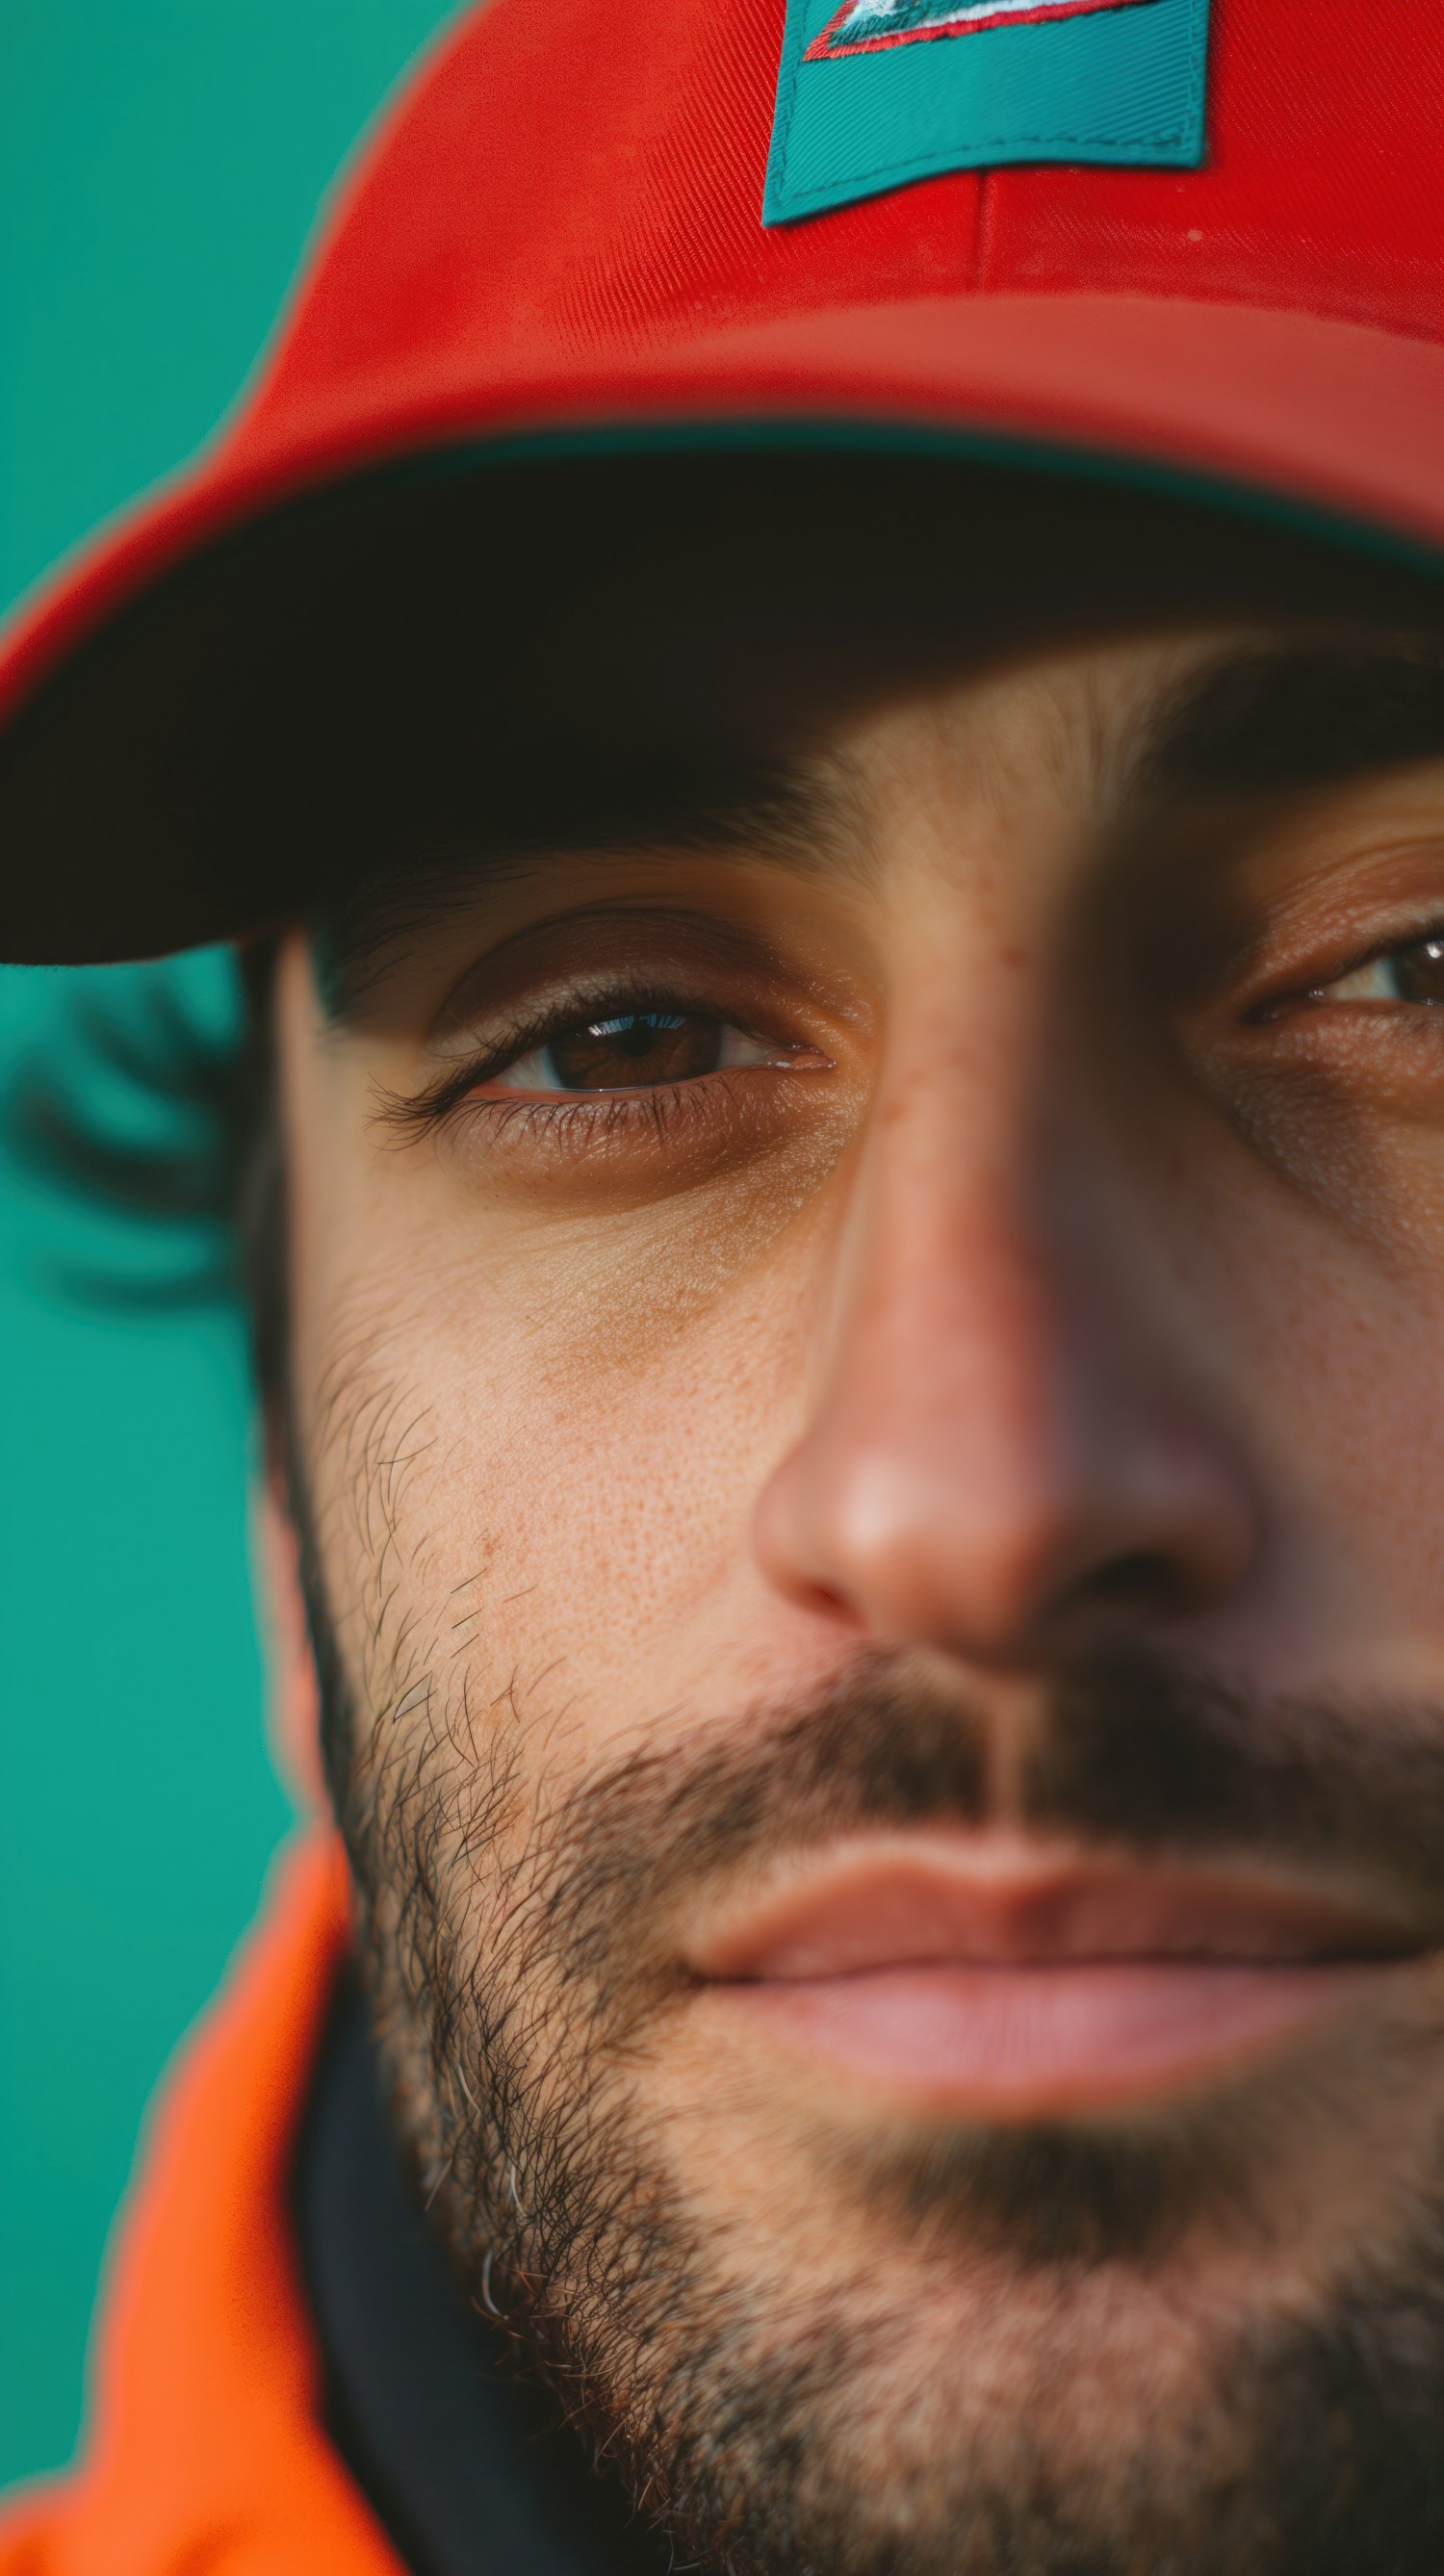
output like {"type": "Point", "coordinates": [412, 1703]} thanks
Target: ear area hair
{"type": "Point", "coordinates": [206, 1168]}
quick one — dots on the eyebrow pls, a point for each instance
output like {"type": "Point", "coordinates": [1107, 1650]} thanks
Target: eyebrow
{"type": "Point", "coordinates": [1271, 719]}
{"type": "Point", "coordinates": [1281, 719]}
{"type": "Point", "coordinates": [803, 816]}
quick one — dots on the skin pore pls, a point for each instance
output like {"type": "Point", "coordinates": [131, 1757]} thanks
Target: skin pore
{"type": "Point", "coordinates": [874, 1363]}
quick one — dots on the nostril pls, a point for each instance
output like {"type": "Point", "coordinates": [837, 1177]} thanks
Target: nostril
{"type": "Point", "coordinates": [1144, 1582]}
{"type": "Point", "coordinates": [825, 1602]}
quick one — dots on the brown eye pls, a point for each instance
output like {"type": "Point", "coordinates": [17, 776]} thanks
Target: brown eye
{"type": "Point", "coordinates": [1416, 973]}
{"type": "Point", "coordinates": [1412, 973]}
{"type": "Point", "coordinates": [636, 1048]}
{"type": "Point", "coordinates": [641, 1050]}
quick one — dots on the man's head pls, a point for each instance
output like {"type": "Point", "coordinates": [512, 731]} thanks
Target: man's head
{"type": "Point", "coordinates": [860, 1401]}
{"type": "Point", "coordinates": [849, 1033]}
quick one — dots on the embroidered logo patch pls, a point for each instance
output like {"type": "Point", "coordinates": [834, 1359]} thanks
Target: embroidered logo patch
{"type": "Point", "coordinates": [868, 98]}
{"type": "Point", "coordinates": [869, 26]}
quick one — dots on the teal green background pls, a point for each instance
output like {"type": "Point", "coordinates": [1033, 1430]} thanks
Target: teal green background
{"type": "Point", "coordinates": [161, 163]}
{"type": "Point", "coordinates": [1120, 85]}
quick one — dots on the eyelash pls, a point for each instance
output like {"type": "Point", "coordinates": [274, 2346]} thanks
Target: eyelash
{"type": "Point", "coordinates": [598, 1119]}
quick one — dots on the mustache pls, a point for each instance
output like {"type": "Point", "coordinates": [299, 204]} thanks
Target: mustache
{"type": "Point", "coordinates": [1129, 1748]}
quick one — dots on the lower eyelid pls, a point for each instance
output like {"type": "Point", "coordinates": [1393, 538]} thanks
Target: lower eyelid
{"type": "Point", "coordinates": [705, 1114]}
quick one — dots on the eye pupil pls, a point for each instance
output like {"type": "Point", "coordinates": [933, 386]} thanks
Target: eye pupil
{"type": "Point", "coordinates": [636, 1049]}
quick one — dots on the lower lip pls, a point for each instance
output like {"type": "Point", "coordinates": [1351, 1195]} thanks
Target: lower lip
{"type": "Point", "coordinates": [1036, 2042]}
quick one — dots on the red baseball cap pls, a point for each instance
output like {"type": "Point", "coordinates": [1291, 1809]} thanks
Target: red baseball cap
{"type": "Point", "coordinates": [1153, 239]}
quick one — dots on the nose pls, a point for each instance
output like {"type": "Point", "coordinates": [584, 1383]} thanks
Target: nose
{"type": "Point", "coordinates": [1008, 1457]}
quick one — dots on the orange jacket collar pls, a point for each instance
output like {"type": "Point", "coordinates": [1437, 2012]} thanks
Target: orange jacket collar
{"type": "Point", "coordinates": [207, 2450]}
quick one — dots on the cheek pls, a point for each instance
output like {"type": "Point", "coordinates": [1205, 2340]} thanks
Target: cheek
{"type": "Point", "coordinates": [1328, 1266]}
{"type": "Point", "coordinates": [537, 1456]}
{"type": "Point", "coordinates": [1366, 1157]}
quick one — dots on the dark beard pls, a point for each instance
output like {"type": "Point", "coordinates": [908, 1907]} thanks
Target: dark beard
{"type": "Point", "coordinates": [1314, 2447]}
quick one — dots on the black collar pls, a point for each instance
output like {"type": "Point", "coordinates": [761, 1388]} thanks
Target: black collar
{"type": "Point", "coordinates": [469, 2470]}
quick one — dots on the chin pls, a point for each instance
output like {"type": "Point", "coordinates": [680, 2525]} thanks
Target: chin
{"type": "Point", "coordinates": [959, 2419]}
{"type": "Point", "coordinates": [1066, 2349]}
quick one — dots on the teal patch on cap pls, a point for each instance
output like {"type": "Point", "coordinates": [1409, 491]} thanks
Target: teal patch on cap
{"type": "Point", "coordinates": [878, 92]}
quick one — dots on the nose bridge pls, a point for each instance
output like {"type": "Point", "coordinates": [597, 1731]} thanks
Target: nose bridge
{"type": "Point", "coordinates": [961, 1300]}
{"type": "Point", "coordinates": [1002, 1436]}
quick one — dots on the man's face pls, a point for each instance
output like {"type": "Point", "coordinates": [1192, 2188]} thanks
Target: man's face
{"type": "Point", "coordinates": [866, 1385]}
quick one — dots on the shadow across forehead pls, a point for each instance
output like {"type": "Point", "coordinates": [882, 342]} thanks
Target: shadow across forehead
{"type": "Point", "coordinates": [642, 639]}
{"type": "Point", "coordinates": [686, 644]}
{"type": "Point", "coordinates": [438, 663]}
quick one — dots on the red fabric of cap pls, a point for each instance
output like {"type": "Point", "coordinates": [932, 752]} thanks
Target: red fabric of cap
{"type": "Point", "coordinates": [560, 227]}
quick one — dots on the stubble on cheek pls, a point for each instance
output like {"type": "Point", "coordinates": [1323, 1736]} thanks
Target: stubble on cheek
{"type": "Point", "coordinates": [455, 1748]}
{"type": "Point", "coordinates": [447, 1707]}
{"type": "Point", "coordinates": [421, 1766]}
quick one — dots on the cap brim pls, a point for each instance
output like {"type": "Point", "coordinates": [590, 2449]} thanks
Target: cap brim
{"type": "Point", "coordinates": [177, 648]}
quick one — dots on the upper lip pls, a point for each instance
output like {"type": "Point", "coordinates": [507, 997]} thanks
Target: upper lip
{"type": "Point", "coordinates": [1001, 1901]}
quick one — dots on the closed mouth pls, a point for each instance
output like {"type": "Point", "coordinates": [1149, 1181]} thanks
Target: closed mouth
{"type": "Point", "coordinates": [990, 1979]}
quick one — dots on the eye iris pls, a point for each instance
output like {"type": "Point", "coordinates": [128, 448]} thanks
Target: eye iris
{"type": "Point", "coordinates": [635, 1050]}
{"type": "Point", "coordinates": [1419, 971]}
